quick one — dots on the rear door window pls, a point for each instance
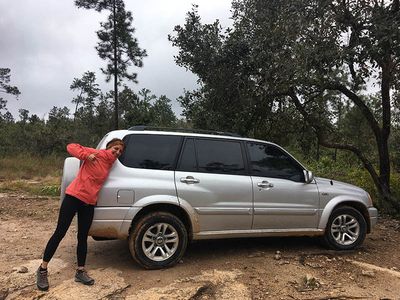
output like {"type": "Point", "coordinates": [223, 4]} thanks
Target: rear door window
{"type": "Point", "coordinates": [151, 151]}
{"type": "Point", "coordinates": [220, 156]}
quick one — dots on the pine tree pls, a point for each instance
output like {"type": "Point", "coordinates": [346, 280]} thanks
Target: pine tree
{"type": "Point", "coordinates": [117, 44]}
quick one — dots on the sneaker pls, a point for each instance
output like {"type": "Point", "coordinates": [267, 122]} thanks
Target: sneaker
{"type": "Point", "coordinates": [83, 277]}
{"type": "Point", "coordinates": [41, 279]}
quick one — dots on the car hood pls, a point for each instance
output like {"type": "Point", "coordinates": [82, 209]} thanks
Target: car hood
{"type": "Point", "coordinates": [338, 187]}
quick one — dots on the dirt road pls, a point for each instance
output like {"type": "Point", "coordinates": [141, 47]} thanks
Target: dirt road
{"type": "Point", "coordinates": [267, 268]}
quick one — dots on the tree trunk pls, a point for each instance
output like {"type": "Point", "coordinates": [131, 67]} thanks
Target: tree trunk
{"type": "Point", "coordinates": [76, 106]}
{"type": "Point", "coordinates": [116, 114]}
{"type": "Point", "coordinates": [381, 181]}
{"type": "Point", "coordinates": [381, 133]}
{"type": "Point", "coordinates": [383, 140]}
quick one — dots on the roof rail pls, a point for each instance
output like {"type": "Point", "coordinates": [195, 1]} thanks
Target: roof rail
{"type": "Point", "coordinates": [189, 130]}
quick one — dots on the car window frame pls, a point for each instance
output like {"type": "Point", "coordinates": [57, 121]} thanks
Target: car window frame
{"type": "Point", "coordinates": [127, 138]}
{"type": "Point", "coordinates": [196, 139]}
{"type": "Point", "coordinates": [292, 159]}
{"type": "Point", "coordinates": [179, 160]}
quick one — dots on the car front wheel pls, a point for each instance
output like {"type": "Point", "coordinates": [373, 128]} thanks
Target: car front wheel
{"type": "Point", "coordinates": [346, 229]}
{"type": "Point", "coordinates": [158, 240]}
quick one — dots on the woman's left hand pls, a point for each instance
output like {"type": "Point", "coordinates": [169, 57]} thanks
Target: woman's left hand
{"type": "Point", "coordinates": [92, 157]}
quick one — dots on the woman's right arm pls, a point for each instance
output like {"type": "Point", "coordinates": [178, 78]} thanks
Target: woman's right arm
{"type": "Point", "coordinates": [80, 152]}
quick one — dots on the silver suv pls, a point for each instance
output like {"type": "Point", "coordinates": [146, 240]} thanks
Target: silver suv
{"type": "Point", "coordinates": [172, 187]}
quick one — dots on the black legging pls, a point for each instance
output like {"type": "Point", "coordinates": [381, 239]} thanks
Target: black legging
{"type": "Point", "coordinates": [69, 207]}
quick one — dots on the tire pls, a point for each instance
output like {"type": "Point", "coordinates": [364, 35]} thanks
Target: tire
{"type": "Point", "coordinates": [346, 229]}
{"type": "Point", "coordinates": [158, 240]}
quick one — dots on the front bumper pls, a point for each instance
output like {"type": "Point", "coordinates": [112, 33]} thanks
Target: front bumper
{"type": "Point", "coordinates": [373, 216]}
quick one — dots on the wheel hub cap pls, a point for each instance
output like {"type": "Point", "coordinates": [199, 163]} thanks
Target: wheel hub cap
{"type": "Point", "coordinates": [160, 242]}
{"type": "Point", "coordinates": [345, 229]}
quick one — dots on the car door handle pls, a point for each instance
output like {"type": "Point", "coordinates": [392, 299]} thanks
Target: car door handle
{"type": "Point", "coordinates": [265, 184]}
{"type": "Point", "coordinates": [189, 180]}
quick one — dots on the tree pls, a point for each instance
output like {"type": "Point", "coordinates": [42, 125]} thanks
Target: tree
{"type": "Point", "coordinates": [162, 114]}
{"type": "Point", "coordinates": [59, 127]}
{"type": "Point", "coordinates": [117, 45]}
{"type": "Point", "coordinates": [145, 108]}
{"type": "Point", "coordinates": [88, 91]}
{"type": "Point", "coordinates": [312, 53]}
{"type": "Point", "coordinates": [23, 115]}
{"type": "Point", "coordinates": [103, 111]}
{"type": "Point", "coordinates": [6, 88]}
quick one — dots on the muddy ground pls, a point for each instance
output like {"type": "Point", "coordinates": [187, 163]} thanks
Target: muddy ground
{"type": "Point", "coordinates": [262, 268]}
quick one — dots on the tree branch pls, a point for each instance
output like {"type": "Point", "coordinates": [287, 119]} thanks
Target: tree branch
{"type": "Point", "coordinates": [395, 5]}
{"type": "Point", "coordinates": [323, 142]}
{"type": "Point", "coordinates": [361, 105]}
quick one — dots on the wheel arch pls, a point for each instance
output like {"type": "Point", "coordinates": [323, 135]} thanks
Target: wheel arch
{"type": "Point", "coordinates": [334, 204]}
{"type": "Point", "coordinates": [173, 209]}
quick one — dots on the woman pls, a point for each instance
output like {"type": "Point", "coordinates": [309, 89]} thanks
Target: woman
{"type": "Point", "coordinates": [80, 197]}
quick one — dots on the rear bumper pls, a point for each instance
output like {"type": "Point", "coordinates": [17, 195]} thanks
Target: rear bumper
{"type": "Point", "coordinates": [112, 222]}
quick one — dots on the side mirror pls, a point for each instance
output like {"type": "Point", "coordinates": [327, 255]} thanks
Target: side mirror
{"type": "Point", "coordinates": [308, 176]}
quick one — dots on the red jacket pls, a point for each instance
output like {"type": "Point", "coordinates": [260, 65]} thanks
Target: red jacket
{"type": "Point", "coordinates": [91, 175]}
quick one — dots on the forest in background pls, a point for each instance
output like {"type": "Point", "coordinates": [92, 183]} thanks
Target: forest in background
{"type": "Point", "coordinates": [320, 78]}
{"type": "Point", "coordinates": [87, 124]}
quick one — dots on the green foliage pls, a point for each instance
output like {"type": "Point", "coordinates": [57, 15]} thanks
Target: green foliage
{"type": "Point", "coordinates": [49, 190]}
{"type": "Point", "coordinates": [6, 88]}
{"type": "Point", "coordinates": [32, 174]}
{"type": "Point", "coordinates": [39, 188]}
{"type": "Point", "coordinates": [116, 38]}
{"type": "Point", "coordinates": [343, 171]}
{"type": "Point", "coordinates": [117, 44]}
{"type": "Point", "coordinates": [347, 169]}
{"type": "Point", "coordinates": [88, 90]}
{"type": "Point", "coordinates": [145, 108]}
{"type": "Point", "coordinates": [32, 151]}
{"type": "Point", "coordinates": [90, 123]}
{"type": "Point", "coordinates": [4, 83]}
{"type": "Point", "coordinates": [36, 136]}
{"type": "Point", "coordinates": [295, 72]}
{"type": "Point", "coordinates": [30, 166]}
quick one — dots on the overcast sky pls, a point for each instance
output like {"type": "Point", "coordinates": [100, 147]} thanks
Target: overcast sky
{"type": "Point", "coordinates": [47, 43]}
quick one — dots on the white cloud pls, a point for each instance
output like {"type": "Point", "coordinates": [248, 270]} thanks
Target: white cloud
{"type": "Point", "coordinates": [48, 43]}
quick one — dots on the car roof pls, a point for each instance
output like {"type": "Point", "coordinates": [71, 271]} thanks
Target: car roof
{"type": "Point", "coordinates": [122, 133]}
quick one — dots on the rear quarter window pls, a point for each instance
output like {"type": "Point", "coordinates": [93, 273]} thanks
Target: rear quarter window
{"type": "Point", "coordinates": [151, 151]}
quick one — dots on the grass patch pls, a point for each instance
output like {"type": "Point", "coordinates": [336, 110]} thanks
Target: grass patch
{"type": "Point", "coordinates": [28, 166]}
{"type": "Point", "coordinates": [30, 174]}
{"type": "Point", "coordinates": [49, 186]}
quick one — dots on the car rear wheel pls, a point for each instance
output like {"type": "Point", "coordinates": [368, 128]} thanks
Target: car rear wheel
{"type": "Point", "coordinates": [346, 229]}
{"type": "Point", "coordinates": [158, 240]}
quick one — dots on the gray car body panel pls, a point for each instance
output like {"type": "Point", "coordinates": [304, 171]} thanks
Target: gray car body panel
{"type": "Point", "coordinates": [285, 205]}
{"type": "Point", "coordinates": [219, 206]}
{"type": "Point", "coordinates": [333, 193]}
{"type": "Point", "coordinates": [221, 202]}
